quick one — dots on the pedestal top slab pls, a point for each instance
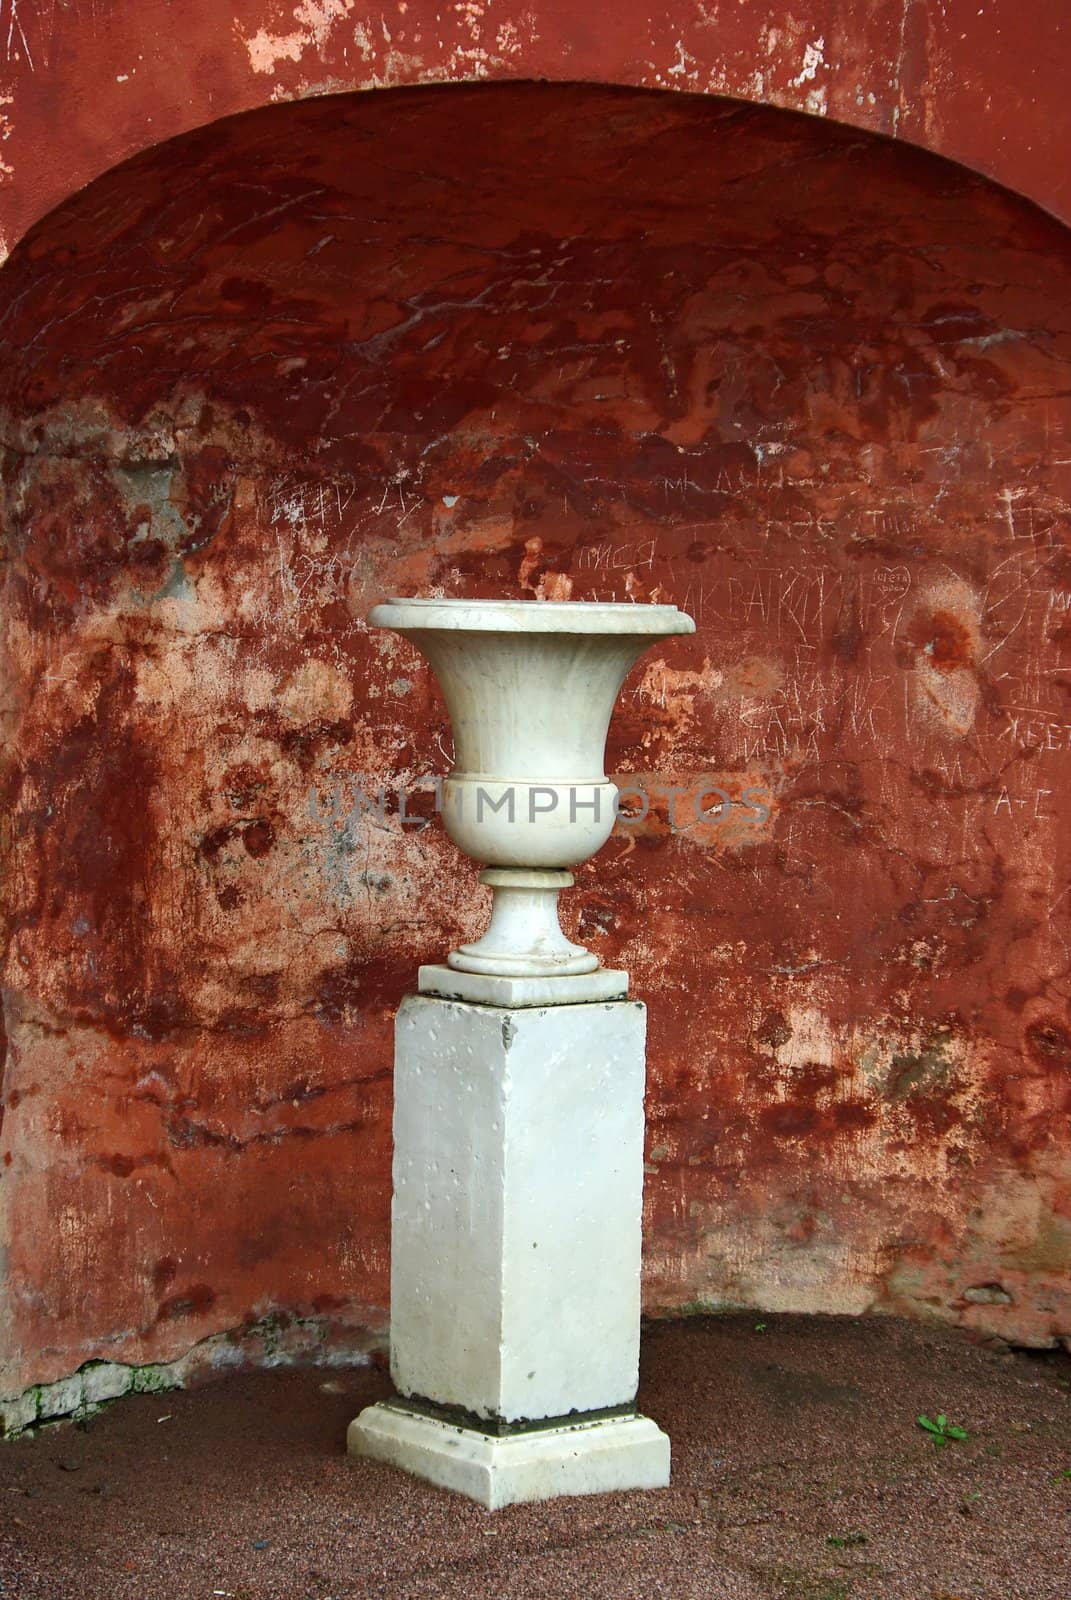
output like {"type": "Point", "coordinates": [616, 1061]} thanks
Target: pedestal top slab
{"type": "Point", "coordinates": [479, 988]}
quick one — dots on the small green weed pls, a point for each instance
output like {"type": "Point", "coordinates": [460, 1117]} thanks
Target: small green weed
{"type": "Point", "coordinates": [942, 1431]}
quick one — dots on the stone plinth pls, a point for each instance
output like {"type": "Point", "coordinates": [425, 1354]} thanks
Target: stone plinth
{"type": "Point", "coordinates": [538, 1464]}
{"type": "Point", "coordinates": [515, 1279]}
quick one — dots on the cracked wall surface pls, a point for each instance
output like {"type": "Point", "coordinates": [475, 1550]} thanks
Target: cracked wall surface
{"type": "Point", "coordinates": [560, 342]}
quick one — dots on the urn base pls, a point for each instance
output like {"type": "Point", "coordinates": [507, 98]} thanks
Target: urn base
{"type": "Point", "coordinates": [524, 937]}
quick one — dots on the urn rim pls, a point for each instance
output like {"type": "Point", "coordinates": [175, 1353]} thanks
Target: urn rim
{"type": "Point", "coordinates": [622, 618]}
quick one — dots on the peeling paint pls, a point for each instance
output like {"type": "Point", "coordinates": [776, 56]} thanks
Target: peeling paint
{"type": "Point", "coordinates": [315, 21]}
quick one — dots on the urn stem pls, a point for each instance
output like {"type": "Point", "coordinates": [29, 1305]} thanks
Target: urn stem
{"type": "Point", "coordinates": [524, 937]}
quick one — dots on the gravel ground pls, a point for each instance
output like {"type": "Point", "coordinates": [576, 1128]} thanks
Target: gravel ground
{"type": "Point", "coordinates": [800, 1473]}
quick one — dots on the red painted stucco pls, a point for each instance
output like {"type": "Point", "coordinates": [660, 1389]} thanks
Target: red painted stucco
{"type": "Point", "coordinates": [86, 83]}
{"type": "Point", "coordinates": [523, 340]}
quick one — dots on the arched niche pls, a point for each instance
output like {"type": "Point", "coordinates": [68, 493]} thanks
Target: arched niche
{"type": "Point", "coordinates": [534, 340]}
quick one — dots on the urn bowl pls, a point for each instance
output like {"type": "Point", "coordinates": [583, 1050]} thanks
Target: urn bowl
{"type": "Point", "coordinates": [530, 686]}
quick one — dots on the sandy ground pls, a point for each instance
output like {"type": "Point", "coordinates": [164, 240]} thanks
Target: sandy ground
{"type": "Point", "coordinates": [800, 1473]}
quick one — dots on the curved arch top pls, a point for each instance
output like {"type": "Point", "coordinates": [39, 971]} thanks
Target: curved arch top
{"type": "Point", "coordinates": [84, 86]}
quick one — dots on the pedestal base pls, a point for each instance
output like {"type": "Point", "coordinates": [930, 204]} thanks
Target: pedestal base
{"type": "Point", "coordinates": [582, 1458]}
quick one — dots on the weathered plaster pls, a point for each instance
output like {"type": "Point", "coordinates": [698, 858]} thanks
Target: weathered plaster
{"type": "Point", "coordinates": [521, 340]}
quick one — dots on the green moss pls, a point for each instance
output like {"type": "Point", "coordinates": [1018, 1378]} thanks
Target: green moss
{"type": "Point", "coordinates": [920, 1071]}
{"type": "Point", "coordinates": [154, 1379]}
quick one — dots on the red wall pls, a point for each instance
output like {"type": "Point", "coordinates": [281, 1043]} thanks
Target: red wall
{"type": "Point", "coordinates": [84, 85]}
{"type": "Point", "coordinates": [525, 340]}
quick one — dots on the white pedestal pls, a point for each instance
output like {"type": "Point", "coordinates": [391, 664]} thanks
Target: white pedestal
{"type": "Point", "coordinates": [515, 1251]}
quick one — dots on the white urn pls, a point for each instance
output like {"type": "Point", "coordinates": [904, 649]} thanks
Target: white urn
{"type": "Point", "coordinates": [530, 686]}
